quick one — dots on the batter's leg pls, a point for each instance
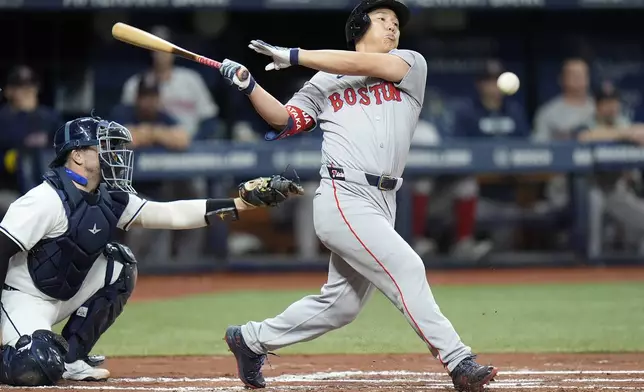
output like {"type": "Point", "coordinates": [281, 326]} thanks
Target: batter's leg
{"type": "Point", "coordinates": [339, 302]}
{"type": "Point", "coordinates": [364, 236]}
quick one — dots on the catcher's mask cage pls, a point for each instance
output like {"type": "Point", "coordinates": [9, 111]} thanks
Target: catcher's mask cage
{"type": "Point", "coordinates": [359, 21]}
{"type": "Point", "coordinates": [117, 161]}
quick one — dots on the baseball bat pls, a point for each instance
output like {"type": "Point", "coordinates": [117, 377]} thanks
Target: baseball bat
{"type": "Point", "coordinates": [137, 37]}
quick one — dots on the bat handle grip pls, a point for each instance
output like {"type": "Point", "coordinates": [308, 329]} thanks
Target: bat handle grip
{"type": "Point", "coordinates": [209, 62]}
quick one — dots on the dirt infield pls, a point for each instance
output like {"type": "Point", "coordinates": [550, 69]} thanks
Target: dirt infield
{"type": "Point", "coordinates": [387, 373]}
{"type": "Point", "coordinates": [518, 372]}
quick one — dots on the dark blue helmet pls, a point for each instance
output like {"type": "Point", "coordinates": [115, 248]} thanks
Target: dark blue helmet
{"type": "Point", "coordinates": [75, 134]}
{"type": "Point", "coordinates": [109, 138]}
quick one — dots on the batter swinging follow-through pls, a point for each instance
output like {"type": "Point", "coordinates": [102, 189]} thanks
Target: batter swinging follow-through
{"type": "Point", "coordinates": [367, 102]}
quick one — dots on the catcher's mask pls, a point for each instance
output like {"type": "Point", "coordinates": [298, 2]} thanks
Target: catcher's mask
{"type": "Point", "coordinates": [117, 161]}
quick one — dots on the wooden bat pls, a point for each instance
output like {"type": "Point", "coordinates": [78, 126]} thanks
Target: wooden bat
{"type": "Point", "coordinates": [143, 39]}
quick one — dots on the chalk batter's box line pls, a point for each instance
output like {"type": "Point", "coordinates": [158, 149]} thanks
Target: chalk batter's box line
{"type": "Point", "coordinates": [325, 376]}
{"type": "Point", "coordinates": [439, 387]}
{"type": "Point", "coordinates": [341, 378]}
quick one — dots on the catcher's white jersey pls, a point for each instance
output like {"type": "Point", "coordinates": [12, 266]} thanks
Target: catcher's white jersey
{"type": "Point", "coordinates": [40, 214]}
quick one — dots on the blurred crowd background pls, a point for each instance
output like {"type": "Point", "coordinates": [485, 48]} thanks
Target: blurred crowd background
{"type": "Point", "coordinates": [582, 74]}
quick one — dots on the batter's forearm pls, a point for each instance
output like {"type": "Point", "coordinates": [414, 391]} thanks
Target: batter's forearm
{"type": "Point", "coordinates": [269, 108]}
{"type": "Point", "coordinates": [189, 214]}
{"type": "Point", "coordinates": [340, 62]}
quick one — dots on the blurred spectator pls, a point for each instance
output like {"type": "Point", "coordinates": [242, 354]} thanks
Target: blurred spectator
{"type": "Point", "coordinates": [490, 115]}
{"type": "Point", "coordinates": [559, 117]}
{"type": "Point", "coordinates": [152, 127]}
{"type": "Point", "coordinates": [612, 192]}
{"type": "Point", "coordinates": [487, 116]}
{"type": "Point", "coordinates": [25, 125]}
{"type": "Point", "coordinates": [184, 93]}
{"type": "Point", "coordinates": [150, 124]}
{"type": "Point", "coordinates": [426, 134]}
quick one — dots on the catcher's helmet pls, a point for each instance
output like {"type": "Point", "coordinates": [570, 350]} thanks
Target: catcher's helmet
{"type": "Point", "coordinates": [111, 139]}
{"type": "Point", "coordinates": [359, 21]}
{"type": "Point", "coordinates": [73, 135]}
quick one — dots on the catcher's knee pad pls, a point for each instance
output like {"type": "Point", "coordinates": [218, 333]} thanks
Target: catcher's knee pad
{"type": "Point", "coordinates": [36, 360]}
{"type": "Point", "coordinates": [90, 321]}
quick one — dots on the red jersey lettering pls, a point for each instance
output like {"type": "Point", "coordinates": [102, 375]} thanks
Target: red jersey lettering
{"type": "Point", "coordinates": [350, 96]}
{"type": "Point", "coordinates": [391, 93]}
{"type": "Point", "coordinates": [376, 90]}
{"type": "Point", "coordinates": [336, 101]}
{"type": "Point", "coordinates": [364, 96]}
{"type": "Point", "coordinates": [378, 93]}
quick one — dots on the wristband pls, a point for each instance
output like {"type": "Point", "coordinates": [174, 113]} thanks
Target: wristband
{"type": "Point", "coordinates": [224, 209]}
{"type": "Point", "coordinates": [251, 86]}
{"type": "Point", "coordinates": [294, 56]}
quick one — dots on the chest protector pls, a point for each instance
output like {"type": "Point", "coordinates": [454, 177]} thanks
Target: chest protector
{"type": "Point", "coordinates": [58, 266]}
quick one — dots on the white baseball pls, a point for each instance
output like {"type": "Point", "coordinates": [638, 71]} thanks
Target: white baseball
{"type": "Point", "coordinates": [508, 83]}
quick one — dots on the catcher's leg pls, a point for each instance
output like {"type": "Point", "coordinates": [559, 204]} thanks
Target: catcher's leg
{"type": "Point", "coordinates": [89, 319]}
{"type": "Point", "coordinates": [31, 355]}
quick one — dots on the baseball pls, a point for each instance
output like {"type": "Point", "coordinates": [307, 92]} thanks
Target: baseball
{"type": "Point", "coordinates": [508, 83]}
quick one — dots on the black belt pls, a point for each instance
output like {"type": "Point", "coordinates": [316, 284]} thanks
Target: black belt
{"type": "Point", "coordinates": [8, 288]}
{"type": "Point", "coordinates": [384, 183]}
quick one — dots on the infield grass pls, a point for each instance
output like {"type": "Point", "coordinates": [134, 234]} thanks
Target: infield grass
{"type": "Point", "coordinates": [507, 318]}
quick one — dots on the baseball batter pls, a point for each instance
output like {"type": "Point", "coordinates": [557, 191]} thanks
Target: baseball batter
{"type": "Point", "coordinates": [367, 103]}
{"type": "Point", "coordinates": [59, 258]}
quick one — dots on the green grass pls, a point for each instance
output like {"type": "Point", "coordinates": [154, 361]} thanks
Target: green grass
{"type": "Point", "coordinates": [532, 318]}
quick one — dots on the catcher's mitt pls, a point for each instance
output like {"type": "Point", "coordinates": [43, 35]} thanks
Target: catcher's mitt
{"type": "Point", "coordinates": [268, 191]}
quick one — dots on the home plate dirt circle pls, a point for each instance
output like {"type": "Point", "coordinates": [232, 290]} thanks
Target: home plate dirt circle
{"type": "Point", "coordinates": [518, 372]}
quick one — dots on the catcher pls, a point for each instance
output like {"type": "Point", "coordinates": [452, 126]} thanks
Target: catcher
{"type": "Point", "coordinates": [58, 259]}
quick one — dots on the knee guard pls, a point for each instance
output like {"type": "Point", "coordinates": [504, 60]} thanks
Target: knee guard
{"type": "Point", "coordinates": [37, 360]}
{"type": "Point", "coordinates": [90, 321]}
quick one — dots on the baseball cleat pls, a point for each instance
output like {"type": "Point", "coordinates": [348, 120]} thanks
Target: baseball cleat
{"type": "Point", "coordinates": [469, 376]}
{"type": "Point", "coordinates": [94, 360]}
{"type": "Point", "coordinates": [81, 371]}
{"type": "Point", "coordinates": [249, 364]}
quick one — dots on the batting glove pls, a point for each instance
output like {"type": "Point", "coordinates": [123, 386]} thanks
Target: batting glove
{"type": "Point", "coordinates": [282, 57]}
{"type": "Point", "coordinates": [229, 70]}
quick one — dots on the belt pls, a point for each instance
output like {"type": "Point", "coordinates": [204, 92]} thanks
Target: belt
{"type": "Point", "coordinates": [383, 182]}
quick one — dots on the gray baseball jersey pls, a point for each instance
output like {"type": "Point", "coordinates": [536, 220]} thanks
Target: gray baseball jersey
{"type": "Point", "coordinates": [367, 125]}
{"type": "Point", "coordinates": [367, 122]}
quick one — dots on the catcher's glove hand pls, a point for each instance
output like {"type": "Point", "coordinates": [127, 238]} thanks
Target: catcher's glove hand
{"type": "Point", "coordinates": [268, 191]}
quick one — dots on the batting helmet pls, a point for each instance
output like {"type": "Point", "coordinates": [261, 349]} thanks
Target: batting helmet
{"type": "Point", "coordinates": [359, 21]}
